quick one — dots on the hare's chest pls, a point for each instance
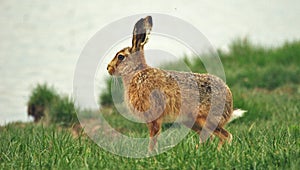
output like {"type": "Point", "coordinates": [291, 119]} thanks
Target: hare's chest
{"type": "Point", "coordinates": [138, 96]}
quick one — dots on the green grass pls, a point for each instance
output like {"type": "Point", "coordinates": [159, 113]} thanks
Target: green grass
{"type": "Point", "coordinates": [105, 98]}
{"type": "Point", "coordinates": [63, 112]}
{"type": "Point", "coordinates": [42, 95]}
{"type": "Point", "coordinates": [264, 81]}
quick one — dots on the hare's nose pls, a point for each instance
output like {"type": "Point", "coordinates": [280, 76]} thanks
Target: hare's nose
{"type": "Point", "coordinates": [110, 69]}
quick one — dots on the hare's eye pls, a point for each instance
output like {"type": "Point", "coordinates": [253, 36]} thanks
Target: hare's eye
{"type": "Point", "coordinates": [121, 57]}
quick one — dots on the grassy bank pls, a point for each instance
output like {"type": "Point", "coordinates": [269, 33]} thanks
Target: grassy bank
{"type": "Point", "coordinates": [264, 81]}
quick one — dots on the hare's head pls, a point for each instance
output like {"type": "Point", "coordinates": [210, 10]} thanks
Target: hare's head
{"type": "Point", "coordinates": [131, 59]}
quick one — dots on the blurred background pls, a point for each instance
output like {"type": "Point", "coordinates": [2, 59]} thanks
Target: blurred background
{"type": "Point", "coordinates": [40, 41]}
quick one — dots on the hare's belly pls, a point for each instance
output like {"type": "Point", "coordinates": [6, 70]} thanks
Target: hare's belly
{"type": "Point", "coordinates": [171, 117]}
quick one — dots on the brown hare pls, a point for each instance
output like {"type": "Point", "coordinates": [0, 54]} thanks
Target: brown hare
{"type": "Point", "coordinates": [157, 96]}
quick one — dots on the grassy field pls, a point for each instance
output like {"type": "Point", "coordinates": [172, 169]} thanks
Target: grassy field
{"type": "Point", "coordinates": [264, 81]}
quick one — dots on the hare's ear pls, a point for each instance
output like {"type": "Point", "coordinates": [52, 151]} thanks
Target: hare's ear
{"type": "Point", "coordinates": [141, 33]}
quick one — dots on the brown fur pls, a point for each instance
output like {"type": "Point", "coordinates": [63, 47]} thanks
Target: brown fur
{"type": "Point", "coordinates": [156, 96]}
{"type": "Point", "coordinates": [36, 111]}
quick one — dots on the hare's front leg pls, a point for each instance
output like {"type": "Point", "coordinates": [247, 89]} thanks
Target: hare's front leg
{"type": "Point", "coordinates": [154, 129]}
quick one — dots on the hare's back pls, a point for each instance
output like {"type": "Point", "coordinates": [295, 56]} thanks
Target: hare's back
{"type": "Point", "coordinates": [205, 85]}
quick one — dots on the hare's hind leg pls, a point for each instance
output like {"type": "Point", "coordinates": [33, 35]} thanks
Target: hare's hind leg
{"type": "Point", "coordinates": [223, 135]}
{"type": "Point", "coordinates": [220, 132]}
{"type": "Point", "coordinates": [197, 127]}
{"type": "Point", "coordinates": [154, 129]}
{"type": "Point", "coordinates": [199, 124]}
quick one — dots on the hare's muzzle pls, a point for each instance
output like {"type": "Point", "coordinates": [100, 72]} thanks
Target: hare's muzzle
{"type": "Point", "coordinates": [110, 69]}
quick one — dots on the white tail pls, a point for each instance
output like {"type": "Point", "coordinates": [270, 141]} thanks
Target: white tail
{"type": "Point", "coordinates": [237, 114]}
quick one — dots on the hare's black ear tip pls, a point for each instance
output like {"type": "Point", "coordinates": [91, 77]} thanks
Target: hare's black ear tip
{"type": "Point", "coordinates": [149, 19]}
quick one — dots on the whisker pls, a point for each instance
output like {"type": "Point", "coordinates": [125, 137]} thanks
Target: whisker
{"type": "Point", "coordinates": [118, 84]}
{"type": "Point", "coordinates": [115, 83]}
